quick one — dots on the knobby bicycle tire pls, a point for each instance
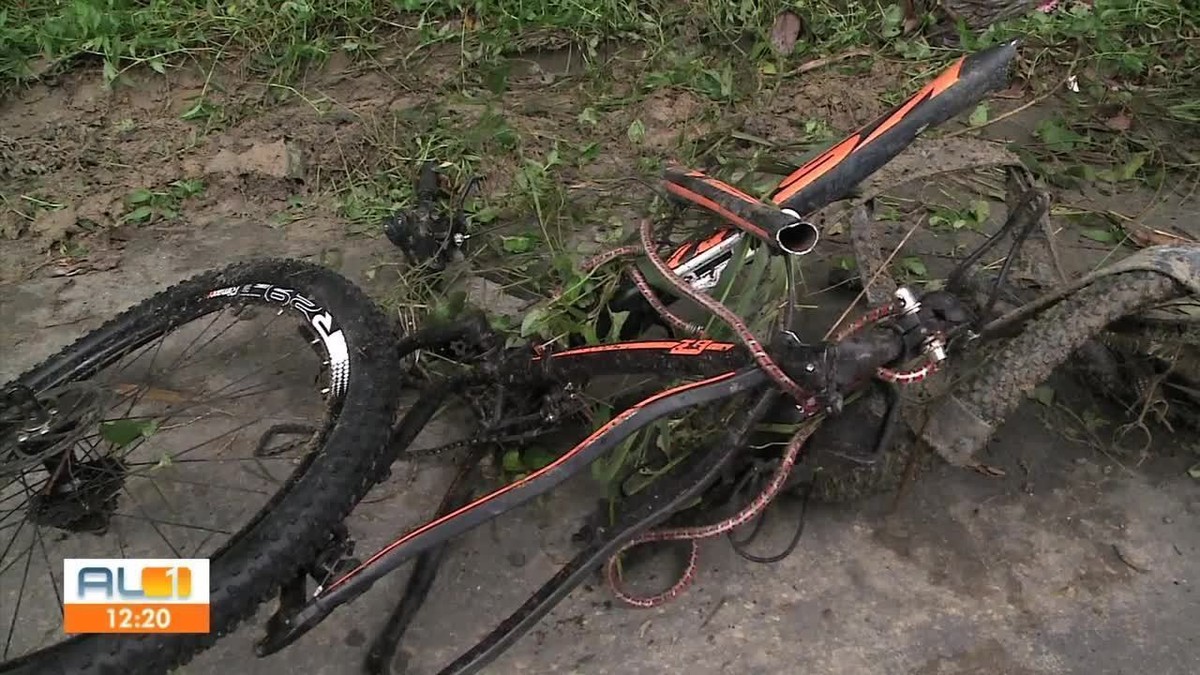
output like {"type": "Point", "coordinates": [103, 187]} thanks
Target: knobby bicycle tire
{"type": "Point", "coordinates": [1017, 367]}
{"type": "Point", "coordinates": [289, 529]}
{"type": "Point", "coordinates": [1045, 343]}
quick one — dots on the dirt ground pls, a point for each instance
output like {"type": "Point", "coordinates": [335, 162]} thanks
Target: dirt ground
{"type": "Point", "coordinates": [1072, 561]}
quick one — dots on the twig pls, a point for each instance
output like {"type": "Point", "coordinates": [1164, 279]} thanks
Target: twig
{"type": "Point", "coordinates": [1021, 108]}
{"type": "Point", "coordinates": [887, 261]}
{"type": "Point", "coordinates": [1121, 555]}
{"type": "Point", "coordinates": [1025, 106]}
{"type": "Point", "coordinates": [822, 62]}
{"type": "Point", "coordinates": [713, 612]}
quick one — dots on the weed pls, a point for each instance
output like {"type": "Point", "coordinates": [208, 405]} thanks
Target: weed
{"type": "Point", "coordinates": [972, 217]}
{"type": "Point", "coordinates": [147, 206]}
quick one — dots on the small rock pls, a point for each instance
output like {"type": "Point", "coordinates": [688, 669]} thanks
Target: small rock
{"type": "Point", "coordinates": [1168, 520]}
{"type": "Point", "coordinates": [355, 638]}
{"type": "Point", "coordinates": [1132, 558]}
{"type": "Point", "coordinates": [280, 159]}
{"type": "Point", "coordinates": [12, 226]}
{"type": "Point", "coordinates": [484, 293]}
{"type": "Point", "coordinates": [785, 32]}
{"type": "Point", "coordinates": [100, 209]}
{"type": "Point", "coordinates": [54, 226]}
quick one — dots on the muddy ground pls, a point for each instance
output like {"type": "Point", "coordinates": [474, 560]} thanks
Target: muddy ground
{"type": "Point", "coordinates": [1072, 561]}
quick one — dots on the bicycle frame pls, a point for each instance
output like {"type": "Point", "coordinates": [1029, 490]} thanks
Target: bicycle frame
{"type": "Point", "coordinates": [822, 180]}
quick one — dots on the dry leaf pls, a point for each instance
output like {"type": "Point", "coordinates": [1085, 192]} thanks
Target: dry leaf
{"type": "Point", "coordinates": [1144, 236]}
{"type": "Point", "coordinates": [1015, 90]}
{"type": "Point", "coordinates": [69, 267]}
{"type": "Point", "coordinates": [1119, 122]}
{"type": "Point", "coordinates": [990, 470]}
{"type": "Point", "coordinates": [785, 32]}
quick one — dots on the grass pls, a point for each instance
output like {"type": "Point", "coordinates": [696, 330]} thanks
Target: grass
{"type": "Point", "coordinates": [1134, 64]}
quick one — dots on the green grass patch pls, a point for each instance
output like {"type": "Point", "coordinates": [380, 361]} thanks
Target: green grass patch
{"type": "Point", "coordinates": [40, 36]}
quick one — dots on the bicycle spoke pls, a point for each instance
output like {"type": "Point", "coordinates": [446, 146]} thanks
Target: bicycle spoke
{"type": "Point", "coordinates": [12, 625]}
{"type": "Point", "coordinates": [16, 558]}
{"type": "Point", "coordinates": [172, 479]}
{"type": "Point", "coordinates": [4, 555]}
{"type": "Point", "coordinates": [151, 521]}
{"type": "Point", "coordinates": [157, 348]}
{"type": "Point", "coordinates": [223, 459]}
{"type": "Point", "coordinates": [116, 432]}
{"type": "Point", "coordinates": [37, 533]}
{"type": "Point", "coordinates": [172, 523]}
{"type": "Point", "coordinates": [18, 508]}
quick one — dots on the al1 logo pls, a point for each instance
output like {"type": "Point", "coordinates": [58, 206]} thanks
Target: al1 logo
{"type": "Point", "coordinates": [135, 595]}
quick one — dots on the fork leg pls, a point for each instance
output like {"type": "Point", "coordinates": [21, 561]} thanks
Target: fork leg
{"type": "Point", "coordinates": [383, 649]}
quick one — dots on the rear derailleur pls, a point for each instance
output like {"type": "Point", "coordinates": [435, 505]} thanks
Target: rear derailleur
{"type": "Point", "coordinates": [428, 233]}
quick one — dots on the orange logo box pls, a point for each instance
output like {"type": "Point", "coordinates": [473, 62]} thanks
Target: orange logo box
{"type": "Point", "coordinates": [136, 595]}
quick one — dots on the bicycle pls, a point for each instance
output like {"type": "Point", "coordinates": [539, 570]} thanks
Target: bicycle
{"type": "Point", "coordinates": [298, 533]}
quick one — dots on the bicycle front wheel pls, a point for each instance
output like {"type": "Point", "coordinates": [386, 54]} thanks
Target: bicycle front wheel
{"type": "Point", "coordinates": [237, 416]}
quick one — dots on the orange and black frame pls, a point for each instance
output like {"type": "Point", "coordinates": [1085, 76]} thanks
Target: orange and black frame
{"type": "Point", "coordinates": [823, 179]}
{"type": "Point", "coordinates": [834, 173]}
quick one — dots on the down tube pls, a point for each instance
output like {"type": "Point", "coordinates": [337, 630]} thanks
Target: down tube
{"type": "Point", "coordinates": [513, 495]}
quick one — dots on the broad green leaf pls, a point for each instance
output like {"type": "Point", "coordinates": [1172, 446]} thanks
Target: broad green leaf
{"type": "Point", "coordinates": [914, 266]}
{"type": "Point", "coordinates": [1131, 168]}
{"type": "Point", "coordinates": [618, 322]}
{"type": "Point", "coordinates": [1044, 395]}
{"type": "Point", "coordinates": [980, 210]}
{"type": "Point", "coordinates": [140, 215]}
{"type": "Point", "coordinates": [979, 116]}
{"type": "Point", "coordinates": [1057, 136]}
{"type": "Point", "coordinates": [123, 432]}
{"type": "Point", "coordinates": [533, 321]}
{"type": "Point", "coordinates": [512, 461]}
{"type": "Point", "coordinates": [588, 328]}
{"type": "Point", "coordinates": [518, 244]}
{"type": "Point", "coordinates": [1096, 234]}
{"type": "Point", "coordinates": [636, 132]}
{"type": "Point", "coordinates": [486, 215]}
{"type": "Point", "coordinates": [139, 196]}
